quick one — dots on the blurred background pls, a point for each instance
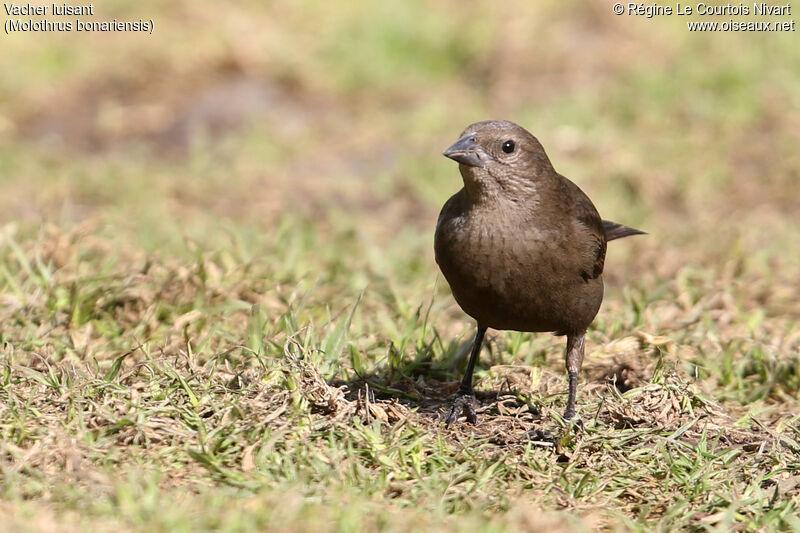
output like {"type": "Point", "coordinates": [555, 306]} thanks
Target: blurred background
{"type": "Point", "coordinates": [308, 135]}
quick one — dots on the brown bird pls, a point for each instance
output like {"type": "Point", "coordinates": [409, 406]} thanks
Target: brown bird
{"type": "Point", "coordinates": [521, 246]}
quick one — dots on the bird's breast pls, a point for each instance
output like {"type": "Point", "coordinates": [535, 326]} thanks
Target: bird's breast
{"type": "Point", "coordinates": [509, 274]}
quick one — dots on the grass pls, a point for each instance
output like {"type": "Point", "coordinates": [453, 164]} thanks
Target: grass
{"type": "Point", "coordinates": [220, 309]}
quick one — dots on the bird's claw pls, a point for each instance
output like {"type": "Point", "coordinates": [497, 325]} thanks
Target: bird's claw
{"type": "Point", "coordinates": [465, 402]}
{"type": "Point", "coordinates": [541, 435]}
{"type": "Point", "coordinates": [572, 420]}
{"type": "Point", "coordinates": [577, 423]}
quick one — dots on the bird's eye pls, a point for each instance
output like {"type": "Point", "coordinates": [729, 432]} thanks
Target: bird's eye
{"type": "Point", "coordinates": [509, 146]}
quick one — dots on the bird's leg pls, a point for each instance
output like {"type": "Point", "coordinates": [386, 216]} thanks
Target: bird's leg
{"type": "Point", "coordinates": [465, 398]}
{"type": "Point", "coordinates": [575, 342]}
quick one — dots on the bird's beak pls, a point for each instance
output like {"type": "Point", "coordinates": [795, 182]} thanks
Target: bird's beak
{"type": "Point", "coordinates": [466, 151]}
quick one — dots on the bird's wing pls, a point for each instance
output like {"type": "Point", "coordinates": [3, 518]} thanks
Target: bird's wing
{"type": "Point", "coordinates": [586, 214]}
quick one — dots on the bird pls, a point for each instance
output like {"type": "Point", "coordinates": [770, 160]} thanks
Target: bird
{"type": "Point", "coordinates": [521, 246]}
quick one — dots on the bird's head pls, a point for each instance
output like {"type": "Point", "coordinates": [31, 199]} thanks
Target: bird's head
{"type": "Point", "coordinates": [498, 157]}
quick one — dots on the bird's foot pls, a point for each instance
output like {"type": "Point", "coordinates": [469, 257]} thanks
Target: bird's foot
{"type": "Point", "coordinates": [542, 436]}
{"type": "Point", "coordinates": [465, 402]}
{"type": "Point", "coordinates": [577, 423]}
{"type": "Point", "coordinates": [572, 420]}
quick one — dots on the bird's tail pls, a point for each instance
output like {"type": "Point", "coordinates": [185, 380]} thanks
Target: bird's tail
{"type": "Point", "coordinates": [618, 231]}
